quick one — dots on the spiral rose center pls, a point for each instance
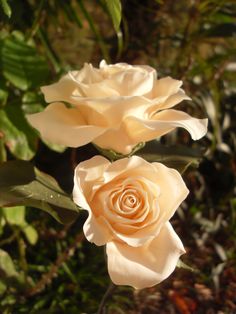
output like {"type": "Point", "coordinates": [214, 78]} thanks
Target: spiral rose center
{"type": "Point", "coordinates": [125, 200]}
{"type": "Point", "coordinates": [129, 200]}
{"type": "Point", "coordinates": [128, 205]}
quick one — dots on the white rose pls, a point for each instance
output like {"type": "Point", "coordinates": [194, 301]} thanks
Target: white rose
{"type": "Point", "coordinates": [116, 107]}
{"type": "Point", "coordinates": [130, 203]}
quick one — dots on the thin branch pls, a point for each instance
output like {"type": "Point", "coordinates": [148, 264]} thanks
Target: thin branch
{"type": "Point", "coordinates": [107, 294]}
{"type": "Point", "coordinates": [48, 277]}
{"type": "Point", "coordinates": [10, 239]}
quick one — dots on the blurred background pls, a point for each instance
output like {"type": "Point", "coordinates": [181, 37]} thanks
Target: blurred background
{"type": "Point", "coordinates": [46, 267]}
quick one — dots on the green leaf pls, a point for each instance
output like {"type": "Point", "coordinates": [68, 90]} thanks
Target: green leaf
{"type": "Point", "coordinates": [6, 8]}
{"type": "Point", "coordinates": [22, 184]}
{"type": "Point", "coordinates": [32, 103]}
{"type": "Point", "coordinates": [16, 139]}
{"type": "Point", "coordinates": [30, 233]}
{"type": "Point", "coordinates": [55, 147]}
{"type": "Point", "coordinates": [181, 264]}
{"type": "Point", "coordinates": [8, 274]}
{"type": "Point", "coordinates": [11, 174]}
{"type": "Point", "coordinates": [177, 157]}
{"type": "Point", "coordinates": [3, 93]}
{"type": "Point", "coordinates": [3, 287]}
{"type": "Point", "coordinates": [15, 215]}
{"type": "Point", "coordinates": [3, 96]}
{"type": "Point", "coordinates": [114, 9]}
{"type": "Point", "coordinates": [17, 117]}
{"type": "Point", "coordinates": [21, 64]}
{"type": "Point", "coordinates": [2, 221]}
{"type": "Point", "coordinates": [7, 268]}
{"type": "Point", "coordinates": [3, 153]}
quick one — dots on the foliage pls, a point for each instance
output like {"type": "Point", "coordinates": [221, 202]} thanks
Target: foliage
{"type": "Point", "coordinates": [22, 184]}
{"type": "Point", "coordinates": [46, 267]}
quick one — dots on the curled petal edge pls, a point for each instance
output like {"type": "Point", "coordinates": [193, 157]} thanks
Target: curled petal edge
{"type": "Point", "coordinates": [146, 266]}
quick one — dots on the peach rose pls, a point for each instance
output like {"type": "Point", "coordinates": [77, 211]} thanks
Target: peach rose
{"type": "Point", "coordinates": [116, 107]}
{"type": "Point", "coordinates": [129, 204]}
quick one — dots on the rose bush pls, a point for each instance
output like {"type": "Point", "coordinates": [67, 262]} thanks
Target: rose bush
{"type": "Point", "coordinates": [129, 204]}
{"type": "Point", "coordinates": [115, 107]}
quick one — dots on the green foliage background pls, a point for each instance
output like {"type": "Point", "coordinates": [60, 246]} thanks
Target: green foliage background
{"type": "Point", "coordinates": [46, 267]}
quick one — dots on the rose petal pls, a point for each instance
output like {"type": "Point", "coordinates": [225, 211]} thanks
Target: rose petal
{"type": "Point", "coordinates": [129, 80]}
{"type": "Point", "coordinates": [173, 100]}
{"type": "Point", "coordinates": [66, 126]}
{"type": "Point", "coordinates": [129, 166]}
{"type": "Point", "coordinates": [70, 84]}
{"type": "Point", "coordinates": [132, 83]}
{"type": "Point", "coordinates": [114, 109]}
{"type": "Point", "coordinates": [136, 238]}
{"type": "Point", "coordinates": [116, 140]}
{"type": "Point", "coordinates": [169, 181]}
{"type": "Point", "coordinates": [145, 266]}
{"type": "Point", "coordinates": [122, 66]}
{"type": "Point", "coordinates": [87, 75]}
{"type": "Point", "coordinates": [98, 90]}
{"type": "Point", "coordinates": [61, 90]}
{"type": "Point", "coordinates": [164, 122]}
{"type": "Point", "coordinates": [136, 231]}
{"type": "Point", "coordinates": [96, 230]}
{"type": "Point", "coordinates": [166, 86]}
{"type": "Point", "coordinates": [88, 176]}
{"type": "Point", "coordinates": [134, 166]}
{"type": "Point", "coordinates": [196, 127]}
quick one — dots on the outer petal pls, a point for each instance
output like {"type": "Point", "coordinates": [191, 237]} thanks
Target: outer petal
{"type": "Point", "coordinates": [170, 182]}
{"type": "Point", "coordinates": [196, 127]}
{"type": "Point", "coordinates": [137, 166]}
{"type": "Point", "coordinates": [148, 265]}
{"type": "Point", "coordinates": [166, 86]}
{"type": "Point", "coordinates": [138, 238]}
{"type": "Point", "coordinates": [172, 100]}
{"type": "Point", "coordinates": [87, 75]}
{"type": "Point", "coordinates": [115, 139]}
{"type": "Point", "coordinates": [69, 85]}
{"type": "Point", "coordinates": [96, 230]}
{"type": "Point", "coordinates": [116, 108]}
{"type": "Point", "coordinates": [61, 90]}
{"type": "Point", "coordinates": [134, 165]}
{"type": "Point", "coordinates": [65, 126]}
{"type": "Point", "coordinates": [162, 123]}
{"type": "Point", "coordinates": [88, 175]}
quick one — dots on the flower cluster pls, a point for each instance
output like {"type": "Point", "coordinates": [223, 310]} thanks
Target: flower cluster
{"type": "Point", "coordinates": [129, 201]}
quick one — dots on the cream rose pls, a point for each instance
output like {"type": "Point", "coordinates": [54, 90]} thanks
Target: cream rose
{"type": "Point", "coordinates": [116, 107]}
{"type": "Point", "coordinates": [129, 204]}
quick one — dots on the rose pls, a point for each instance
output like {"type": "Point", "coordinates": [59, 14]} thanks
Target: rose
{"type": "Point", "coordinates": [129, 204]}
{"type": "Point", "coordinates": [116, 107]}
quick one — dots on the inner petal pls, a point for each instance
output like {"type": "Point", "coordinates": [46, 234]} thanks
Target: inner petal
{"type": "Point", "coordinates": [126, 202]}
{"type": "Point", "coordinates": [130, 207]}
{"type": "Point", "coordinates": [129, 201]}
